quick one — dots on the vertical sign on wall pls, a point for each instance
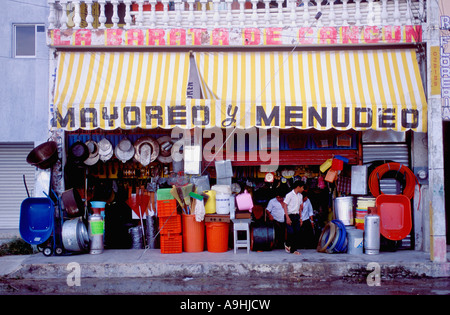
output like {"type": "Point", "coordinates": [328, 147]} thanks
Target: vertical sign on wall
{"type": "Point", "coordinates": [435, 70]}
{"type": "Point", "coordinates": [445, 58]}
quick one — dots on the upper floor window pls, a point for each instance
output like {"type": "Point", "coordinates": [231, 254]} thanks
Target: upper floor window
{"type": "Point", "coordinates": [25, 39]}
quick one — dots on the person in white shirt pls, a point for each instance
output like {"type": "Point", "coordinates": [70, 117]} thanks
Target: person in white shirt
{"type": "Point", "coordinates": [275, 213]}
{"type": "Point", "coordinates": [293, 206]}
{"type": "Point", "coordinates": [307, 224]}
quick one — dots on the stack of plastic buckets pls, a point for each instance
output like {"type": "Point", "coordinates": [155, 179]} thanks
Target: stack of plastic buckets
{"type": "Point", "coordinates": [362, 207]}
{"type": "Point", "coordinates": [169, 222]}
{"type": "Point", "coordinates": [217, 232]}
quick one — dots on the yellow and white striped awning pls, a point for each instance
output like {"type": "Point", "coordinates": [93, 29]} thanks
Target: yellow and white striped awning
{"type": "Point", "coordinates": [110, 90]}
{"type": "Point", "coordinates": [345, 89]}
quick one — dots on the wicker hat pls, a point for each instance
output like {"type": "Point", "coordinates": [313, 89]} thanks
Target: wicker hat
{"type": "Point", "coordinates": [146, 150]}
{"type": "Point", "coordinates": [105, 149]}
{"type": "Point", "coordinates": [165, 152]}
{"type": "Point", "coordinates": [94, 155]}
{"type": "Point", "coordinates": [124, 151]}
{"type": "Point", "coordinates": [78, 152]}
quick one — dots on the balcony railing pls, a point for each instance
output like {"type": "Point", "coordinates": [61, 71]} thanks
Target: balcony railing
{"type": "Point", "coordinates": [127, 14]}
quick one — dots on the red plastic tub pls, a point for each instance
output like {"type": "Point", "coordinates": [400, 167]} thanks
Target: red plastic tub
{"type": "Point", "coordinates": [395, 216]}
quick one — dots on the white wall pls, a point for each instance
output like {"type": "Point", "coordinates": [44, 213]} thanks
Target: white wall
{"type": "Point", "coordinates": [23, 82]}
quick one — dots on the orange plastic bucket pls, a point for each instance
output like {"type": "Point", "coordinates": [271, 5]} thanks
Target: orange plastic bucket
{"type": "Point", "coordinates": [217, 236]}
{"type": "Point", "coordinates": [193, 234]}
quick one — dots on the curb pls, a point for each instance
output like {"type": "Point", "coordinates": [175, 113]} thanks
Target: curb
{"type": "Point", "coordinates": [268, 264]}
{"type": "Point", "coordinates": [232, 269]}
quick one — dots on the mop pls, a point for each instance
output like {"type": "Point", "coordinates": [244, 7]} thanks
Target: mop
{"type": "Point", "coordinates": [199, 209]}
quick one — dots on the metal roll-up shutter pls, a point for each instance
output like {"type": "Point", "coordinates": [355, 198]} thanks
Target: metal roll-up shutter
{"type": "Point", "coordinates": [397, 152]}
{"type": "Point", "coordinates": [13, 166]}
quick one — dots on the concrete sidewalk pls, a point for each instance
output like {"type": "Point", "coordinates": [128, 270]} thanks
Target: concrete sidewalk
{"type": "Point", "coordinates": [276, 263]}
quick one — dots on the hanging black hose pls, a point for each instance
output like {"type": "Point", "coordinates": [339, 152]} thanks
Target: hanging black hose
{"type": "Point", "coordinates": [26, 188]}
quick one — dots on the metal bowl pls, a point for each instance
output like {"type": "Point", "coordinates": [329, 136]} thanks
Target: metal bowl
{"type": "Point", "coordinates": [44, 155]}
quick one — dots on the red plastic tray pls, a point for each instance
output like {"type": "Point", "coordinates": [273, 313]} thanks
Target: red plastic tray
{"type": "Point", "coordinates": [395, 216]}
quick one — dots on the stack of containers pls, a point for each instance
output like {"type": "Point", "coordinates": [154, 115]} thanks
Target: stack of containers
{"type": "Point", "coordinates": [362, 208]}
{"type": "Point", "coordinates": [169, 222]}
{"type": "Point", "coordinates": [223, 198]}
{"type": "Point", "coordinates": [224, 172]}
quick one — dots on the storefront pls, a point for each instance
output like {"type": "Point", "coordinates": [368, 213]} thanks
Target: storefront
{"type": "Point", "coordinates": [277, 116]}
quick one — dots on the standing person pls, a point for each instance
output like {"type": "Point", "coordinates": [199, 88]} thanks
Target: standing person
{"type": "Point", "coordinates": [307, 224]}
{"type": "Point", "coordinates": [293, 206]}
{"type": "Point", "coordinates": [276, 215]}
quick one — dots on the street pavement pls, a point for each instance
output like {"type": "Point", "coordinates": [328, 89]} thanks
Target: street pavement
{"type": "Point", "coordinates": [250, 287]}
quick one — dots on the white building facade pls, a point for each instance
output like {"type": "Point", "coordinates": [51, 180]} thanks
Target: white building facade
{"type": "Point", "coordinates": [24, 60]}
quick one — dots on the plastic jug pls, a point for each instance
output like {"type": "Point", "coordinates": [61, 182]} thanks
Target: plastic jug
{"type": "Point", "coordinates": [222, 203]}
{"type": "Point", "coordinates": [210, 205]}
{"type": "Point", "coordinates": [244, 201]}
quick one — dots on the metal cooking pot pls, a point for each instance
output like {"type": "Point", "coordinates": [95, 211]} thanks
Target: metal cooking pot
{"type": "Point", "coordinates": [75, 236]}
{"type": "Point", "coordinates": [73, 203]}
{"type": "Point", "coordinates": [44, 155]}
